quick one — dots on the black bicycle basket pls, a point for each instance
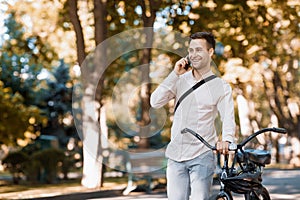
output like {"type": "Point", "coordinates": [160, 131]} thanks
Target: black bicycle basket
{"type": "Point", "coordinates": [243, 183]}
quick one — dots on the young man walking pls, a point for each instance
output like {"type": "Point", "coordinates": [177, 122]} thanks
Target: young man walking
{"type": "Point", "coordinates": [190, 164]}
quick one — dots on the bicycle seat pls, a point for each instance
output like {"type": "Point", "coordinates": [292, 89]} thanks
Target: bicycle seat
{"type": "Point", "coordinates": [261, 157]}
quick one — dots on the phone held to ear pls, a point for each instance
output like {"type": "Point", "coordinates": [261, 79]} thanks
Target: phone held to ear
{"type": "Point", "coordinates": [186, 67]}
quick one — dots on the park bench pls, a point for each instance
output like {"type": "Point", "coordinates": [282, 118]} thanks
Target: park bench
{"type": "Point", "coordinates": [139, 165]}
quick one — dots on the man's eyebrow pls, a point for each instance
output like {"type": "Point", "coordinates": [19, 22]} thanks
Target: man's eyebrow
{"type": "Point", "coordinates": [196, 48]}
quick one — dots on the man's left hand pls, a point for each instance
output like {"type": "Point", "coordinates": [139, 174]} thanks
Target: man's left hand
{"type": "Point", "coordinates": [222, 147]}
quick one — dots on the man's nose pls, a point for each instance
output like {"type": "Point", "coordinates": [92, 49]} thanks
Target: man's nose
{"type": "Point", "coordinates": [192, 54]}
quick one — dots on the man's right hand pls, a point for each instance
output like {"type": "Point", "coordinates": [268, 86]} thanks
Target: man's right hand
{"type": "Point", "coordinates": [179, 66]}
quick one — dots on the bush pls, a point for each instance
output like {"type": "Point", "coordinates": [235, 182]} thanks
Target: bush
{"type": "Point", "coordinates": [15, 163]}
{"type": "Point", "coordinates": [49, 160]}
{"type": "Point", "coordinates": [38, 166]}
{"type": "Point", "coordinates": [32, 170]}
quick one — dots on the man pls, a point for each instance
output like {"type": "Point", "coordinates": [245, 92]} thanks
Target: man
{"type": "Point", "coordinates": [191, 164]}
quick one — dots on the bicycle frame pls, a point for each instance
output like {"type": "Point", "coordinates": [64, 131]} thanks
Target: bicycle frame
{"type": "Point", "coordinates": [248, 179]}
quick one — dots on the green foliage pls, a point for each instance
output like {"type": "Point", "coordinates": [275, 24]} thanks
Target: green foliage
{"type": "Point", "coordinates": [29, 100]}
{"type": "Point", "coordinates": [31, 49]}
{"type": "Point", "coordinates": [22, 60]}
{"type": "Point", "coordinates": [18, 81]}
{"type": "Point", "coordinates": [15, 115]}
{"type": "Point", "coordinates": [263, 35]}
{"type": "Point", "coordinates": [55, 98]}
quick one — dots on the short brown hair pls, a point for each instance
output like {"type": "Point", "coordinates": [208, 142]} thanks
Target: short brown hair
{"type": "Point", "coordinates": [208, 36]}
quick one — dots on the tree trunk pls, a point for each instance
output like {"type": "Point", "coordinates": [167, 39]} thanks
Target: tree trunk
{"type": "Point", "coordinates": [145, 96]}
{"type": "Point", "coordinates": [100, 14]}
{"type": "Point", "coordinates": [148, 17]}
{"type": "Point", "coordinates": [72, 8]}
{"type": "Point", "coordinates": [92, 159]}
{"type": "Point", "coordinates": [91, 132]}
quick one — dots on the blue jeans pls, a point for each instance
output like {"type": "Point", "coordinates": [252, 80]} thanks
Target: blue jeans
{"type": "Point", "coordinates": [192, 179]}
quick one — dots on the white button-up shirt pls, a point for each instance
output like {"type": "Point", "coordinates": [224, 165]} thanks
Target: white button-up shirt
{"type": "Point", "coordinates": [197, 111]}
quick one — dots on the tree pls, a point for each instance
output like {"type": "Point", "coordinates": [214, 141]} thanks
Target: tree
{"type": "Point", "coordinates": [18, 76]}
{"type": "Point", "coordinates": [148, 18]}
{"type": "Point", "coordinates": [229, 21]}
{"type": "Point", "coordinates": [257, 50]}
{"type": "Point", "coordinates": [39, 92]}
{"type": "Point", "coordinates": [18, 120]}
{"type": "Point", "coordinates": [259, 55]}
{"type": "Point", "coordinates": [92, 158]}
{"type": "Point", "coordinates": [23, 59]}
{"type": "Point", "coordinates": [55, 100]}
{"type": "Point", "coordinates": [105, 17]}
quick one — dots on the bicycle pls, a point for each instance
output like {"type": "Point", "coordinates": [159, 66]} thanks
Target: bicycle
{"type": "Point", "coordinates": [247, 179]}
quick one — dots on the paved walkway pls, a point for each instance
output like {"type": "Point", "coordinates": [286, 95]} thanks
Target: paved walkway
{"type": "Point", "coordinates": [282, 185]}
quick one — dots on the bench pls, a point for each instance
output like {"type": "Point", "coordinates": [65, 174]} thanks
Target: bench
{"type": "Point", "coordinates": [139, 165]}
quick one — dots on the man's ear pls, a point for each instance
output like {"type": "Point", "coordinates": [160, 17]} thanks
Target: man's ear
{"type": "Point", "coordinates": [211, 52]}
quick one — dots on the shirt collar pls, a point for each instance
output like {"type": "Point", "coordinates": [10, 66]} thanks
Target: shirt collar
{"type": "Point", "coordinates": [209, 73]}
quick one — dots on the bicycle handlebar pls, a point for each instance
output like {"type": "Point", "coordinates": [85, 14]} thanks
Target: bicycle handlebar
{"type": "Point", "coordinates": [232, 146]}
{"type": "Point", "coordinates": [274, 129]}
{"type": "Point", "coordinates": [279, 130]}
{"type": "Point", "coordinates": [199, 137]}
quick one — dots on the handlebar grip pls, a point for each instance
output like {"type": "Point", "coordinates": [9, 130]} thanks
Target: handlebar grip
{"type": "Point", "coordinates": [280, 130]}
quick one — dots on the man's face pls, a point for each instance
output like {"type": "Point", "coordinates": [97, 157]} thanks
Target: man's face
{"type": "Point", "coordinates": [199, 53]}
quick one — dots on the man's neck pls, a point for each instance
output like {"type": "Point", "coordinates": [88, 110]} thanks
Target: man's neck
{"type": "Point", "coordinates": [199, 73]}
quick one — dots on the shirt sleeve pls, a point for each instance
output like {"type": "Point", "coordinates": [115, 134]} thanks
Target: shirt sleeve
{"type": "Point", "coordinates": [165, 92]}
{"type": "Point", "coordinates": [226, 110]}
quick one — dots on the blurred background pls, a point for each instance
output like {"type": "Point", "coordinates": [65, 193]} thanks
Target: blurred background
{"type": "Point", "coordinates": [45, 42]}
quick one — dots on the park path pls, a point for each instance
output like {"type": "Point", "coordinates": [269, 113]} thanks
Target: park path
{"type": "Point", "coordinates": [282, 185]}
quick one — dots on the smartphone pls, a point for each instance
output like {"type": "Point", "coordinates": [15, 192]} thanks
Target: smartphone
{"type": "Point", "coordinates": [186, 67]}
